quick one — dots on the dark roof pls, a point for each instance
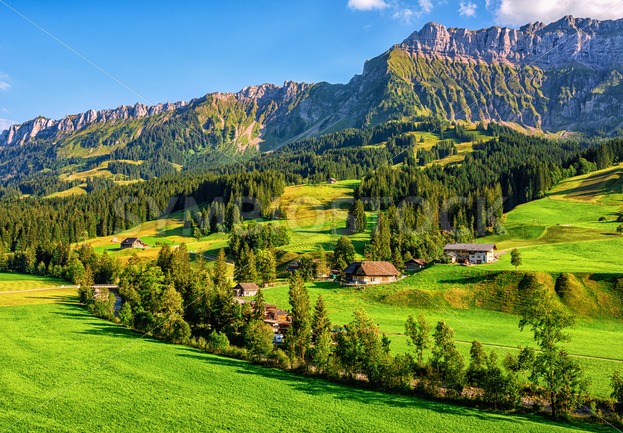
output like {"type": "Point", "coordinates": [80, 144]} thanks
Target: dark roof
{"type": "Point", "coordinates": [248, 286]}
{"type": "Point", "coordinates": [469, 247]}
{"type": "Point", "coordinates": [372, 268]}
{"type": "Point", "coordinates": [130, 240]}
{"type": "Point", "coordinates": [420, 262]}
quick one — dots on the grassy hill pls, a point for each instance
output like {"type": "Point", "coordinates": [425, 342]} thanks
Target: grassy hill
{"type": "Point", "coordinates": [563, 232]}
{"type": "Point", "coordinates": [556, 234]}
{"type": "Point", "coordinates": [101, 377]}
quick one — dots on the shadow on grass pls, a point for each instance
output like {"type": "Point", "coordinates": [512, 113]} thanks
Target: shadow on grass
{"type": "Point", "coordinates": [319, 387]}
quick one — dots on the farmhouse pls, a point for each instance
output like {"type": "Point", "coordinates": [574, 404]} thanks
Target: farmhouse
{"type": "Point", "coordinates": [358, 273]}
{"type": "Point", "coordinates": [470, 253]}
{"type": "Point", "coordinates": [415, 264]}
{"type": "Point", "coordinates": [331, 180]}
{"type": "Point", "coordinates": [133, 243]}
{"type": "Point", "coordinates": [245, 289]}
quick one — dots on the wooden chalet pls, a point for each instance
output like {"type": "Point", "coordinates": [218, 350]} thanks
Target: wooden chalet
{"type": "Point", "coordinates": [369, 272]}
{"type": "Point", "coordinates": [245, 289]}
{"type": "Point", "coordinates": [415, 264]}
{"type": "Point", "coordinates": [133, 243]}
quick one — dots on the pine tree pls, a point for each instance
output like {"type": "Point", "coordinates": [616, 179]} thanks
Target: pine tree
{"type": "Point", "coordinates": [245, 270]}
{"type": "Point", "coordinates": [322, 270]}
{"type": "Point", "coordinates": [258, 306]}
{"type": "Point", "coordinates": [379, 247]}
{"type": "Point", "coordinates": [299, 334]}
{"type": "Point", "coordinates": [266, 267]}
{"type": "Point", "coordinates": [232, 215]}
{"type": "Point", "coordinates": [357, 221]}
{"type": "Point", "coordinates": [320, 319]}
{"type": "Point", "coordinates": [219, 277]}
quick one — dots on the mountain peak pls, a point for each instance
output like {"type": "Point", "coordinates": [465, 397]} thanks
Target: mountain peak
{"type": "Point", "coordinates": [587, 41]}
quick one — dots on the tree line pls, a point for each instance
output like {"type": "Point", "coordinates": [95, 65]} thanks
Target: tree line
{"type": "Point", "coordinates": [165, 299]}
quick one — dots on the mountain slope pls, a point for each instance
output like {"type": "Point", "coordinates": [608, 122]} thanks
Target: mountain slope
{"type": "Point", "coordinates": [561, 76]}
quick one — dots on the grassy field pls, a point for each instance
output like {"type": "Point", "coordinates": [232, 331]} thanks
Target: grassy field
{"type": "Point", "coordinates": [562, 232]}
{"type": "Point", "coordinates": [317, 216]}
{"type": "Point", "coordinates": [454, 294]}
{"type": "Point", "coordinates": [98, 376]}
{"type": "Point", "coordinates": [21, 289]}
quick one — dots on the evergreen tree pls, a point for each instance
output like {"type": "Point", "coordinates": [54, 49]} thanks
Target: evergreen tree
{"type": "Point", "coordinates": [219, 277]}
{"type": "Point", "coordinates": [232, 215]}
{"type": "Point", "coordinates": [245, 270]}
{"type": "Point", "coordinates": [397, 260]}
{"type": "Point", "coordinates": [299, 334]}
{"type": "Point", "coordinates": [320, 319]}
{"type": "Point", "coordinates": [322, 270]}
{"type": "Point", "coordinates": [343, 253]}
{"type": "Point", "coordinates": [266, 267]}
{"type": "Point", "coordinates": [188, 221]}
{"type": "Point", "coordinates": [258, 306]}
{"type": "Point", "coordinates": [357, 221]}
{"type": "Point", "coordinates": [379, 247]}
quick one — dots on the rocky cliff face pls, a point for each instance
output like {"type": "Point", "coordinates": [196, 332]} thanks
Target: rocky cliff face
{"type": "Point", "coordinates": [565, 75]}
{"type": "Point", "coordinates": [592, 43]}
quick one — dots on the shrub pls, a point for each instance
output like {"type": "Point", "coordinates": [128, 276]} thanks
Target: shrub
{"type": "Point", "coordinates": [217, 342]}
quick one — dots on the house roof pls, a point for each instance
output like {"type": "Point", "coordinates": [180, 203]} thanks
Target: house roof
{"type": "Point", "coordinates": [469, 247]}
{"type": "Point", "coordinates": [130, 240]}
{"type": "Point", "coordinates": [420, 262]}
{"type": "Point", "coordinates": [247, 286]}
{"type": "Point", "coordinates": [372, 268]}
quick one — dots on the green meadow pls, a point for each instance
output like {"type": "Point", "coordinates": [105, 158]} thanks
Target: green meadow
{"type": "Point", "coordinates": [63, 370]}
{"type": "Point", "coordinates": [453, 293]}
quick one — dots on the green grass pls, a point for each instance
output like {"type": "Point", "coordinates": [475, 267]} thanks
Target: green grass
{"type": "Point", "coordinates": [98, 376]}
{"type": "Point", "coordinates": [21, 289]}
{"type": "Point", "coordinates": [452, 293]}
{"type": "Point", "coordinates": [14, 281]}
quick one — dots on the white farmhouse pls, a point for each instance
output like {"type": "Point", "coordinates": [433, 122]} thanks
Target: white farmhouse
{"type": "Point", "coordinates": [470, 253]}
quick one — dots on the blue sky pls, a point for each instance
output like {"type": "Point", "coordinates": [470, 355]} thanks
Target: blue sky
{"type": "Point", "coordinates": [59, 58]}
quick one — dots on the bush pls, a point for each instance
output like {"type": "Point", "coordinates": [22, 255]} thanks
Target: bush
{"type": "Point", "coordinates": [258, 338]}
{"type": "Point", "coordinates": [125, 315]}
{"type": "Point", "coordinates": [217, 342]}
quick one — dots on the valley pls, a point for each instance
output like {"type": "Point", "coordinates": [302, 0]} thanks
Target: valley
{"type": "Point", "coordinates": [433, 245]}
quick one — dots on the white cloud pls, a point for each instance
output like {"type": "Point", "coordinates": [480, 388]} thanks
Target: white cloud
{"type": "Point", "coordinates": [5, 123]}
{"type": "Point", "coordinates": [404, 15]}
{"type": "Point", "coordinates": [467, 9]}
{"type": "Point", "coordinates": [367, 5]}
{"type": "Point", "coordinates": [4, 81]}
{"type": "Point", "coordinates": [518, 12]}
{"type": "Point", "coordinates": [426, 6]}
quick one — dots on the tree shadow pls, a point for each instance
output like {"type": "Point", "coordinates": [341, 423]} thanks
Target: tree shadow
{"type": "Point", "coordinates": [315, 386]}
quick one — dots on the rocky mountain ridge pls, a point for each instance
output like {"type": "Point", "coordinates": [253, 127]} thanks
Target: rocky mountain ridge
{"type": "Point", "coordinates": [561, 76]}
{"type": "Point", "coordinates": [593, 43]}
